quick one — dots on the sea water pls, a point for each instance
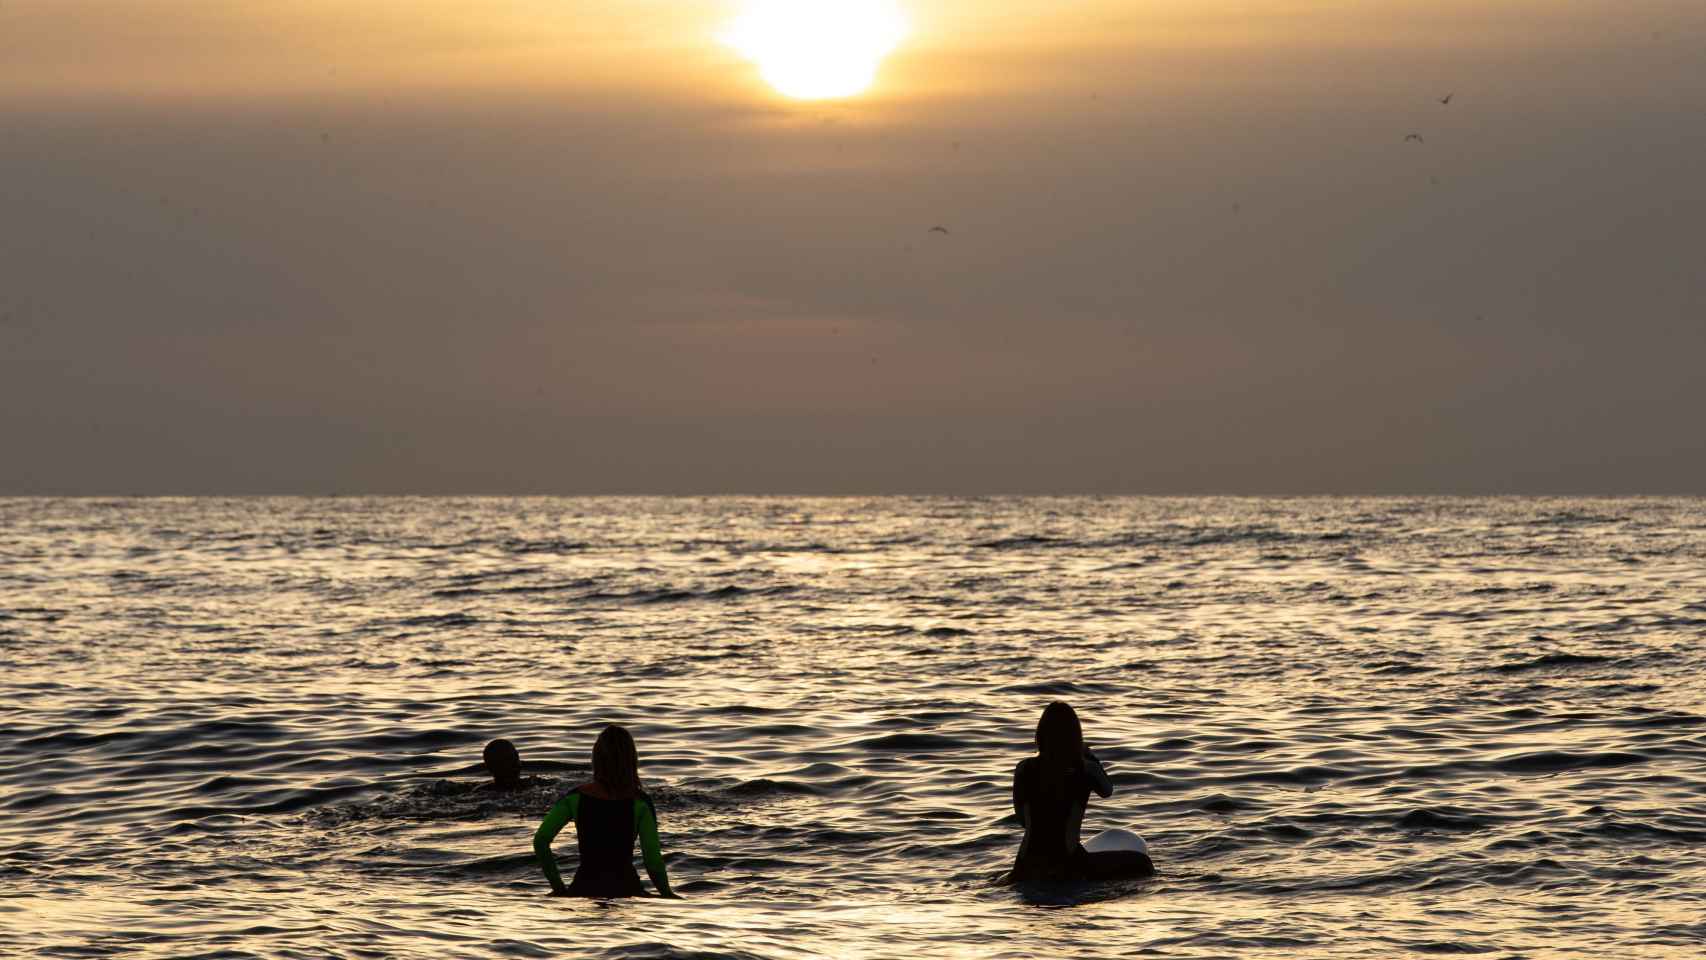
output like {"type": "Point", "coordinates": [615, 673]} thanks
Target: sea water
{"type": "Point", "coordinates": [1347, 727]}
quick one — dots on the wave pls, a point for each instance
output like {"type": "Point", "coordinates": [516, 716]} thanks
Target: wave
{"type": "Point", "coordinates": [663, 596]}
{"type": "Point", "coordinates": [1440, 820]}
{"type": "Point", "coordinates": [1553, 661]}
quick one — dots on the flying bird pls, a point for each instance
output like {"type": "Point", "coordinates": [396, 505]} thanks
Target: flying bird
{"type": "Point", "coordinates": [1416, 137]}
{"type": "Point", "coordinates": [1447, 100]}
{"type": "Point", "coordinates": [938, 230]}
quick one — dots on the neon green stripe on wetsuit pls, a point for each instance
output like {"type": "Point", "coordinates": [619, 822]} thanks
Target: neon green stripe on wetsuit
{"type": "Point", "coordinates": [568, 808]}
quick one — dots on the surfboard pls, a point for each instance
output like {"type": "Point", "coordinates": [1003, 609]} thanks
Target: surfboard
{"type": "Point", "coordinates": [1116, 839]}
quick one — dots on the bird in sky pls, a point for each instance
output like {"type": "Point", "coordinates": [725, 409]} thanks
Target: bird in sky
{"type": "Point", "coordinates": [938, 229]}
{"type": "Point", "coordinates": [1447, 100]}
{"type": "Point", "coordinates": [1416, 137]}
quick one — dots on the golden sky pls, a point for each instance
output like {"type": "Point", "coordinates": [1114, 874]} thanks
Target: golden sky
{"type": "Point", "coordinates": [1191, 247]}
{"type": "Point", "coordinates": [244, 48]}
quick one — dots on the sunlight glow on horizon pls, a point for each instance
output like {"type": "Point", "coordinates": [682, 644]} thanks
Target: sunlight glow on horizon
{"type": "Point", "coordinates": [817, 49]}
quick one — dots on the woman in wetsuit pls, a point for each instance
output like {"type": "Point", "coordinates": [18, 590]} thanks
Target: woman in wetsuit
{"type": "Point", "coordinates": [1050, 794]}
{"type": "Point", "coordinates": [608, 814]}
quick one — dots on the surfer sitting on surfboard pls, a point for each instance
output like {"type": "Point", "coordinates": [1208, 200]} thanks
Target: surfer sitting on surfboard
{"type": "Point", "coordinates": [1050, 794]}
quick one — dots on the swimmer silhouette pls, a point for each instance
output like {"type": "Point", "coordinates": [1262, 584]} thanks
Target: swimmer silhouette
{"type": "Point", "coordinates": [503, 762]}
{"type": "Point", "coordinates": [608, 814]}
{"type": "Point", "coordinates": [1051, 791]}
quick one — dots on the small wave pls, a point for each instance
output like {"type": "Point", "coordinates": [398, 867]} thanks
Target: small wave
{"type": "Point", "coordinates": [439, 620]}
{"type": "Point", "coordinates": [1399, 668]}
{"type": "Point", "coordinates": [664, 951]}
{"type": "Point", "coordinates": [446, 800]}
{"type": "Point", "coordinates": [1664, 719]}
{"type": "Point", "coordinates": [1558, 761]}
{"type": "Point", "coordinates": [1436, 820]}
{"type": "Point", "coordinates": [453, 592]}
{"type": "Point", "coordinates": [1498, 591]}
{"type": "Point", "coordinates": [1637, 830]}
{"type": "Point", "coordinates": [911, 742]}
{"type": "Point", "coordinates": [650, 597]}
{"type": "Point", "coordinates": [1287, 831]}
{"type": "Point", "coordinates": [1552, 661]}
{"type": "Point", "coordinates": [764, 787]}
{"type": "Point", "coordinates": [1238, 535]}
{"type": "Point", "coordinates": [1058, 688]}
{"type": "Point", "coordinates": [1222, 804]}
{"type": "Point", "coordinates": [518, 545]}
{"type": "Point", "coordinates": [1448, 948]}
{"type": "Point", "coordinates": [1023, 542]}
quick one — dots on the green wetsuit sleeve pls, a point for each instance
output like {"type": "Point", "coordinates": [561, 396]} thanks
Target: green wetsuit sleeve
{"type": "Point", "coordinates": [647, 819]}
{"type": "Point", "coordinates": [561, 813]}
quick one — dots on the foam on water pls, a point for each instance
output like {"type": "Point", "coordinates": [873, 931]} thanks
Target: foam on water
{"type": "Point", "coordinates": [250, 728]}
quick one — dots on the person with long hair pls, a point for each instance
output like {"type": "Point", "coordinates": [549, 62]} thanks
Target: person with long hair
{"type": "Point", "coordinates": [608, 813]}
{"type": "Point", "coordinates": [1051, 791]}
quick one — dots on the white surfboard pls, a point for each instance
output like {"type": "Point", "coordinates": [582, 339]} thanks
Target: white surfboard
{"type": "Point", "coordinates": [1116, 840]}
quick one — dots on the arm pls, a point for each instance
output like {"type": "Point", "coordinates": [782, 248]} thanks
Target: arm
{"type": "Point", "coordinates": [646, 818]}
{"type": "Point", "coordinates": [561, 813]}
{"type": "Point", "coordinates": [1099, 781]}
{"type": "Point", "coordinates": [1019, 792]}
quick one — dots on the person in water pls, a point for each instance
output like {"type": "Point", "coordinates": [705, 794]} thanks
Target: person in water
{"type": "Point", "coordinates": [503, 762]}
{"type": "Point", "coordinates": [1051, 791]}
{"type": "Point", "coordinates": [608, 814]}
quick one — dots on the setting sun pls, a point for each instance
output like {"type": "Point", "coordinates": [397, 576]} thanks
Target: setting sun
{"type": "Point", "coordinates": [817, 49]}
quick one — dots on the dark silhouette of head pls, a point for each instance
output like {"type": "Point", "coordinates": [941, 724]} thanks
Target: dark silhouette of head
{"type": "Point", "coordinates": [503, 762]}
{"type": "Point", "coordinates": [1060, 738]}
{"type": "Point", "coordinates": [615, 762]}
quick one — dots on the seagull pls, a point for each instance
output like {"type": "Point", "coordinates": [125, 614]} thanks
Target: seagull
{"type": "Point", "coordinates": [1447, 100]}
{"type": "Point", "coordinates": [938, 230]}
{"type": "Point", "coordinates": [1416, 137]}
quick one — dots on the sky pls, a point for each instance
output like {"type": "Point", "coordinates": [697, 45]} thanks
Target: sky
{"type": "Point", "coordinates": [556, 246]}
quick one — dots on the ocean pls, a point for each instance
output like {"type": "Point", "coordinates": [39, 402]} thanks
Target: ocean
{"type": "Point", "coordinates": [247, 728]}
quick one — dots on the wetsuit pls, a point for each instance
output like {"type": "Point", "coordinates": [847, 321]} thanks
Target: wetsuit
{"type": "Point", "coordinates": [1053, 813]}
{"type": "Point", "coordinates": [606, 829]}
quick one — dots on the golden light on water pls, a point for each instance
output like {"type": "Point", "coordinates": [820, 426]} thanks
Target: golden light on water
{"type": "Point", "coordinates": [818, 49]}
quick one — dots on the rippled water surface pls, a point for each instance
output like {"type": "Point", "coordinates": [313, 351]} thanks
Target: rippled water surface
{"type": "Point", "coordinates": [1349, 728]}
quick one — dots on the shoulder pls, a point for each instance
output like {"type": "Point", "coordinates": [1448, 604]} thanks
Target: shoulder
{"type": "Point", "coordinates": [1024, 769]}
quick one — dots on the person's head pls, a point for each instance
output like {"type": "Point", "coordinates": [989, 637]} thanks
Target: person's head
{"type": "Point", "coordinates": [615, 762]}
{"type": "Point", "coordinates": [503, 762]}
{"type": "Point", "coordinates": [1060, 738]}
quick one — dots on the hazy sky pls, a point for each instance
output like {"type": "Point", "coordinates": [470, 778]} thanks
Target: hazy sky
{"type": "Point", "coordinates": [563, 246]}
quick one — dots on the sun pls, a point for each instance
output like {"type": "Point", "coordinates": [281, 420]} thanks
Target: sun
{"type": "Point", "coordinates": [817, 49]}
